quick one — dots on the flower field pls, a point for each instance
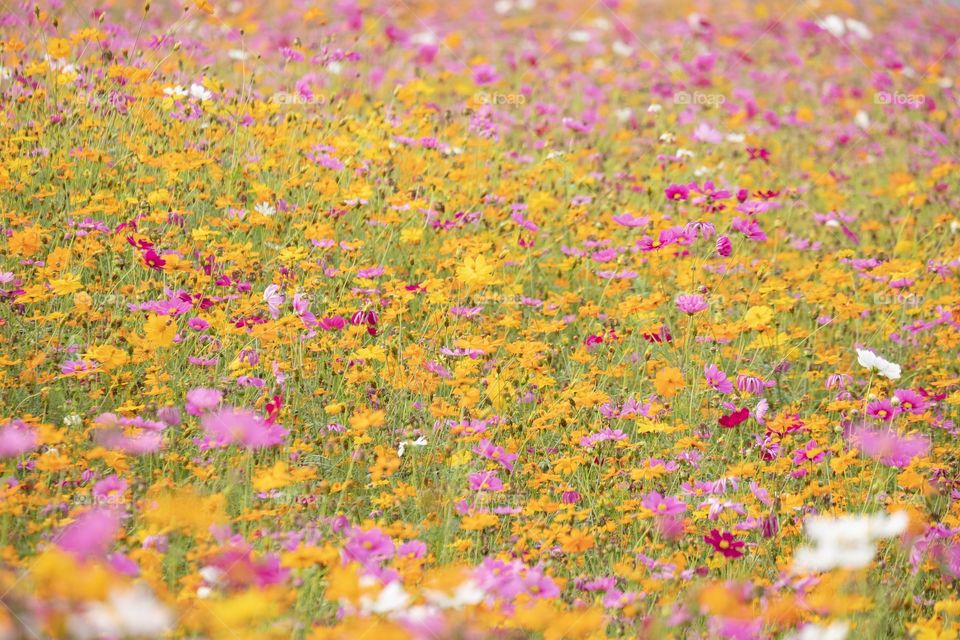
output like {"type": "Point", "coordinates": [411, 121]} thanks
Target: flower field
{"type": "Point", "coordinates": [479, 319]}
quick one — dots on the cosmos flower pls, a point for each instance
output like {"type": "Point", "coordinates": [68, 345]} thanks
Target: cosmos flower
{"type": "Point", "coordinates": [724, 543]}
{"type": "Point", "coordinates": [17, 438]}
{"type": "Point", "coordinates": [717, 379]}
{"type": "Point", "coordinates": [847, 541]}
{"type": "Point", "coordinates": [691, 304]}
{"type": "Point", "coordinates": [229, 426]}
{"type": "Point", "coordinates": [872, 361]}
{"type": "Point", "coordinates": [888, 446]}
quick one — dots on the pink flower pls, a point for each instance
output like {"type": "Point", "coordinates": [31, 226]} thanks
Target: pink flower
{"type": "Point", "coordinates": [889, 447]}
{"type": "Point", "coordinates": [811, 452]}
{"type": "Point", "coordinates": [16, 439]}
{"type": "Point", "coordinates": [243, 427]}
{"type": "Point", "coordinates": [201, 400]}
{"type": "Point", "coordinates": [691, 304]}
{"type": "Point", "coordinates": [911, 401]}
{"type": "Point", "coordinates": [90, 534]}
{"type": "Point", "coordinates": [368, 547]}
{"type": "Point", "coordinates": [724, 246]}
{"type": "Point", "coordinates": [485, 74]}
{"type": "Point", "coordinates": [882, 410]}
{"type": "Point", "coordinates": [274, 299]}
{"type": "Point", "coordinates": [488, 450]}
{"type": "Point", "coordinates": [663, 505]}
{"type": "Point", "coordinates": [485, 481]}
{"type": "Point", "coordinates": [717, 379]}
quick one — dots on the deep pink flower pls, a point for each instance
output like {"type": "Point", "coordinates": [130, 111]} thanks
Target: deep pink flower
{"type": "Point", "coordinates": [677, 192]}
{"type": "Point", "coordinates": [725, 543]}
{"type": "Point", "coordinates": [724, 246]}
{"type": "Point", "coordinates": [731, 420]}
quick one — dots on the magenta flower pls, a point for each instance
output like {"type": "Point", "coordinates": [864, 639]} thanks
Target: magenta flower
{"type": "Point", "coordinates": [691, 304]}
{"type": "Point", "coordinates": [717, 379]}
{"type": "Point", "coordinates": [16, 439]}
{"type": "Point", "coordinates": [882, 410]}
{"type": "Point", "coordinates": [911, 401]}
{"type": "Point", "coordinates": [677, 192]}
{"type": "Point", "coordinates": [724, 246]}
{"type": "Point", "coordinates": [663, 505]}
{"type": "Point", "coordinates": [243, 427]}
{"type": "Point", "coordinates": [725, 543]}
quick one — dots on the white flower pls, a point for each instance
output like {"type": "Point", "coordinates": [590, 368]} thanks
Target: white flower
{"type": "Point", "coordinates": [419, 442]}
{"type": "Point", "coordinates": [391, 598]}
{"type": "Point", "coordinates": [859, 29]}
{"type": "Point", "coordinates": [265, 209]}
{"type": "Point", "coordinates": [131, 613]}
{"type": "Point", "coordinates": [621, 48]}
{"type": "Point", "coordinates": [466, 594]}
{"type": "Point", "coordinates": [833, 25]}
{"type": "Point", "coordinates": [200, 92]}
{"type": "Point", "coordinates": [871, 361]}
{"type": "Point", "coordinates": [834, 631]}
{"type": "Point", "coordinates": [847, 541]}
{"type": "Point", "coordinates": [862, 120]}
{"type": "Point", "coordinates": [176, 91]}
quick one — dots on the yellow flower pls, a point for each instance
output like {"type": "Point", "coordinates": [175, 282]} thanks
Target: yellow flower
{"type": "Point", "coordinates": [58, 48]}
{"type": "Point", "coordinates": [668, 382]}
{"type": "Point", "coordinates": [475, 272]}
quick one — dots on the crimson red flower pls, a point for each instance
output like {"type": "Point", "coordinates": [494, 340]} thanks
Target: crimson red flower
{"type": "Point", "coordinates": [725, 543]}
{"type": "Point", "coordinates": [731, 420]}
